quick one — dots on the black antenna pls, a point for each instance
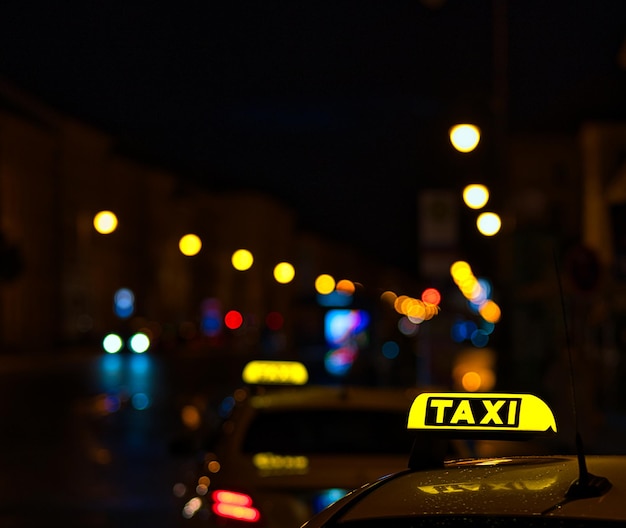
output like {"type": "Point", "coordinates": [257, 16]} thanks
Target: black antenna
{"type": "Point", "coordinates": [587, 485]}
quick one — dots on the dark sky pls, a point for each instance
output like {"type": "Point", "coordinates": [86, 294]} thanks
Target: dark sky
{"type": "Point", "coordinates": [338, 108]}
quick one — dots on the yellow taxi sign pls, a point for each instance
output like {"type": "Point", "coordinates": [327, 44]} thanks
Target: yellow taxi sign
{"type": "Point", "coordinates": [524, 413]}
{"type": "Point", "coordinates": [264, 372]}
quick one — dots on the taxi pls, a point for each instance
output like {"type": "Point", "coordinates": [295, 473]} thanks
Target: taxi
{"type": "Point", "coordinates": [289, 449]}
{"type": "Point", "coordinates": [519, 491]}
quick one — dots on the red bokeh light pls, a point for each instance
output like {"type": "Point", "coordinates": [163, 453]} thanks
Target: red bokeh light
{"type": "Point", "coordinates": [233, 320]}
{"type": "Point", "coordinates": [274, 321]}
{"type": "Point", "coordinates": [432, 296]}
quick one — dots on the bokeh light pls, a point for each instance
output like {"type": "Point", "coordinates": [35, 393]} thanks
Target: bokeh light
{"type": "Point", "coordinates": [274, 321]}
{"type": "Point", "coordinates": [211, 317]}
{"type": "Point", "coordinates": [490, 311]}
{"type": "Point", "coordinates": [432, 296]}
{"type": "Point", "coordinates": [407, 327]}
{"type": "Point", "coordinates": [462, 330]}
{"type": "Point", "coordinates": [105, 222]}
{"type": "Point", "coordinates": [338, 362]}
{"type": "Point", "coordinates": [475, 196]}
{"type": "Point", "coordinates": [390, 349]}
{"type": "Point", "coordinates": [242, 260]}
{"type": "Point", "coordinates": [190, 245]}
{"type": "Point", "coordinates": [124, 303]}
{"type": "Point", "coordinates": [464, 137]}
{"type": "Point", "coordinates": [388, 297]}
{"type": "Point", "coordinates": [324, 284]}
{"type": "Point", "coordinates": [478, 293]}
{"type": "Point", "coordinates": [139, 343]}
{"type": "Point", "coordinates": [190, 416]}
{"type": "Point", "coordinates": [488, 224]}
{"type": "Point", "coordinates": [284, 272]}
{"type": "Point", "coordinates": [471, 381]}
{"type": "Point", "coordinates": [474, 370]}
{"type": "Point", "coordinates": [460, 270]}
{"type": "Point", "coordinates": [327, 497]}
{"type": "Point", "coordinates": [233, 319]}
{"type": "Point", "coordinates": [140, 401]}
{"type": "Point", "coordinates": [112, 343]}
{"type": "Point", "coordinates": [275, 372]}
{"type": "Point", "coordinates": [479, 338]}
{"type": "Point", "coordinates": [346, 286]}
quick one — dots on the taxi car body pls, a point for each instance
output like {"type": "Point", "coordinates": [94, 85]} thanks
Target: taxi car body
{"type": "Point", "coordinates": [524, 491]}
{"type": "Point", "coordinates": [287, 452]}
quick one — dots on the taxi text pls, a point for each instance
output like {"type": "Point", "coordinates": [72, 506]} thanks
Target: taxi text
{"type": "Point", "coordinates": [488, 412]}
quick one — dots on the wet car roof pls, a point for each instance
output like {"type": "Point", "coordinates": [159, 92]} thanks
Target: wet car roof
{"type": "Point", "coordinates": [519, 486]}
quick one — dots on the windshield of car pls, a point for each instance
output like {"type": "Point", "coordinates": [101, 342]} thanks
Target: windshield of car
{"type": "Point", "coordinates": [329, 431]}
{"type": "Point", "coordinates": [479, 521]}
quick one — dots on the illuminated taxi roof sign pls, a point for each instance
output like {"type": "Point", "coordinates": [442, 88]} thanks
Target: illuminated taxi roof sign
{"type": "Point", "coordinates": [481, 412]}
{"type": "Point", "coordinates": [262, 372]}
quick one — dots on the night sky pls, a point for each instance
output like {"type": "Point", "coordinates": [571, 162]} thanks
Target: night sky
{"type": "Point", "coordinates": [339, 109]}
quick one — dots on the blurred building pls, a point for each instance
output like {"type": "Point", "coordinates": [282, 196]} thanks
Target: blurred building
{"type": "Point", "coordinates": [563, 203]}
{"type": "Point", "coordinates": [59, 275]}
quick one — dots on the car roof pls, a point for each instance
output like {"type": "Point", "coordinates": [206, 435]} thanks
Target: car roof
{"type": "Point", "coordinates": [516, 486]}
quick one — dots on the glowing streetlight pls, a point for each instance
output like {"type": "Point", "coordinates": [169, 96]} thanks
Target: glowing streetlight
{"type": "Point", "coordinates": [105, 222]}
{"type": "Point", "coordinates": [190, 245]}
{"type": "Point", "coordinates": [242, 260]}
{"type": "Point", "coordinates": [465, 137]}
{"type": "Point", "coordinates": [284, 272]}
{"type": "Point", "coordinates": [488, 224]}
{"type": "Point", "coordinates": [475, 196]}
{"type": "Point", "coordinates": [324, 284]}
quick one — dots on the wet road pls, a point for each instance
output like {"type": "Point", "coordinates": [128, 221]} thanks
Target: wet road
{"type": "Point", "coordinates": [86, 438]}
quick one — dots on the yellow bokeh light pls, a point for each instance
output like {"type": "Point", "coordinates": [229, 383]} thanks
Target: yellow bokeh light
{"type": "Point", "coordinates": [488, 224]}
{"type": "Point", "coordinates": [242, 260]}
{"type": "Point", "coordinates": [464, 137]}
{"type": "Point", "coordinates": [284, 272]}
{"type": "Point", "coordinates": [105, 222]}
{"type": "Point", "coordinates": [416, 312]}
{"type": "Point", "coordinates": [275, 372]}
{"type": "Point", "coordinates": [190, 245]}
{"type": "Point", "coordinates": [475, 196]}
{"type": "Point", "coordinates": [399, 303]}
{"type": "Point", "coordinates": [324, 284]}
{"type": "Point", "coordinates": [346, 286]}
{"type": "Point", "coordinates": [460, 271]}
{"type": "Point", "coordinates": [430, 310]}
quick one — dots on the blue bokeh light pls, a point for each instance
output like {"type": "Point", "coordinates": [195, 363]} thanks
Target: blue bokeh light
{"type": "Point", "coordinates": [391, 349]}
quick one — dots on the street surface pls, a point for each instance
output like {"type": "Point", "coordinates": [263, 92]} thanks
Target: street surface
{"type": "Point", "coordinates": [86, 438]}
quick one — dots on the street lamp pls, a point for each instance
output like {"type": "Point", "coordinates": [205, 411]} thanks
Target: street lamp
{"type": "Point", "coordinates": [190, 245]}
{"type": "Point", "coordinates": [488, 224]}
{"type": "Point", "coordinates": [284, 272]}
{"type": "Point", "coordinates": [464, 137]}
{"type": "Point", "coordinates": [475, 196]}
{"type": "Point", "coordinates": [242, 260]}
{"type": "Point", "coordinates": [105, 222]}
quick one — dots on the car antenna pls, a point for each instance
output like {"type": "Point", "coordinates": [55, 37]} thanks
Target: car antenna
{"type": "Point", "coordinates": [586, 485]}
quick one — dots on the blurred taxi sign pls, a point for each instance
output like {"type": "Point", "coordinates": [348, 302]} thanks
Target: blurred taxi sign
{"type": "Point", "coordinates": [262, 372]}
{"type": "Point", "coordinates": [482, 412]}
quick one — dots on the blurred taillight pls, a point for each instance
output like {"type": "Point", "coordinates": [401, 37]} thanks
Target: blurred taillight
{"type": "Point", "coordinates": [234, 505]}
